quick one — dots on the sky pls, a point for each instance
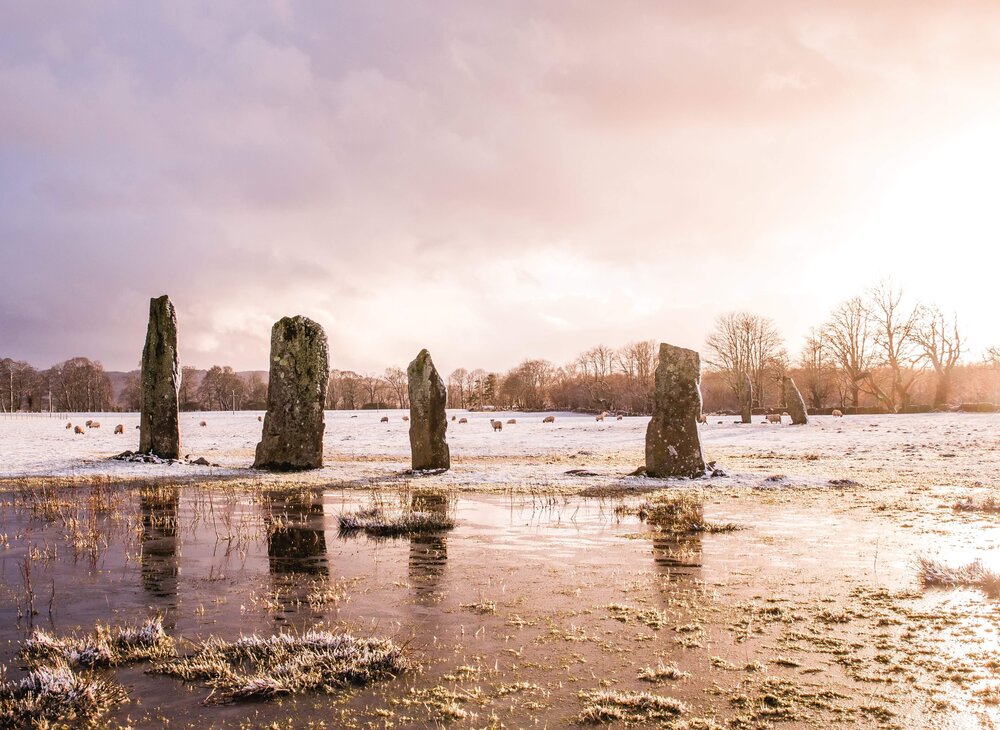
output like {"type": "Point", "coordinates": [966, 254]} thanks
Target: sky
{"type": "Point", "coordinates": [492, 181]}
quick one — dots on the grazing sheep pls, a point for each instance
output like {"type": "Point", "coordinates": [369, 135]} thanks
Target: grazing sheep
{"type": "Point", "coordinates": [512, 421]}
{"type": "Point", "coordinates": [89, 423]}
{"type": "Point", "coordinates": [69, 425]}
{"type": "Point", "coordinates": [260, 418]}
{"type": "Point", "coordinates": [774, 418]}
{"type": "Point", "coordinates": [406, 418]}
{"type": "Point", "coordinates": [603, 414]}
{"type": "Point", "coordinates": [203, 424]}
{"type": "Point", "coordinates": [702, 418]}
{"type": "Point", "coordinates": [497, 425]}
{"type": "Point", "coordinates": [549, 419]}
{"type": "Point", "coordinates": [384, 419]}
{"type": "Point", "coordinates": [837, 414]}
{"type": "Point", "coordinates": [599, 418]}
{"type": "Point", "coordinates": [618, 418]}
{"type": "Point", "coordinates": [463, 420]}
{"type": "Point", "coordinates": [454, 417]}
{"type": "Point", "coordinates": [119, 429]}
{"type": "Point", "coordinates": [77, 429]}
{"type": "Point", "coordinates": [95, 424]}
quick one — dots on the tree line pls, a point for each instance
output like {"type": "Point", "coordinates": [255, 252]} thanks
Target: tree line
{"type": "Point", "coordinates": [876, 351]}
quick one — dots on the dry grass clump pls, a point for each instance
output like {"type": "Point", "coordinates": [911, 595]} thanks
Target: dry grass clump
{"type": "Point", "coordinates": [989, 505]}
{"type": "Point", "coordinates": [57, 694]}
{"type": "Point", "coordinates": [376, 522]}
{"type": "Point", "coordinates": [262, 668]}
{"type": "Point", "coordinates": [662, 672]}
{"type": "Point", "coordinates": [974, 575]}
{"type": "Point", "coordinates": [680, 513]}
{"type": "Point", "coordinates": [602, 706]}
{"type": "Point", "coordinates": [106, 646]}
{"type": "Point", "coordinates": [653, 618]}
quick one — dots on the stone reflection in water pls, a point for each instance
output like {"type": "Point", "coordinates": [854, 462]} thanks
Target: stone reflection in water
{"type": "Point", "coordinates": [296, 544]}
{"type": "Point", "coordinates": [428, 551]}
{"type": "Point", "coordinates": [159, 564]}
{"type": "Point", "coordinates": [677, 539]}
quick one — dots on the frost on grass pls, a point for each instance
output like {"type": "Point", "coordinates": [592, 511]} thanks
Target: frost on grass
{"type": "Point", "coordinates": [262, 668]}
{"type": "Point", "coordinates": [679, 513]}
{"type": "Point", "coordinates": [377, 522]}
{"type": "Point", "coordinates": [974, 575]}
{"type": "Point", "coordinates": [989, 505]}
{"type": "Point", "coordinates": [603, 706]}
{"type": "Point", "coordinates": [57, 694]}
{"type": "Point", "coordinates": [106, 646]}
{"type": "Point", "coordinates": [662, 672]}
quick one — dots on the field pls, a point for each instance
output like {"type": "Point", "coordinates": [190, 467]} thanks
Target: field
{"type": "Point", "coordinates": [843, 573]}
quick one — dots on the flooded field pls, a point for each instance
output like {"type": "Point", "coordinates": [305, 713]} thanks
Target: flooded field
{"type": "Point", "coordinates": [787, 593]}
{"type": "Point", "coordinates": [808, 611]}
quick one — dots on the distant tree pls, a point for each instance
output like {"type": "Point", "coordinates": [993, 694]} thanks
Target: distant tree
{"type": "Point", "coordinates": [894, 329]}
{"type": "Point", "coordinates": [187, 394]}
{"type": "Point", "coordinates": [130, 399]}
{"type": "Point", "coordinates": [80, 385]}
{"type": "Point", "coordinates": [744, 343]}
{"type": "Point", "coordinates": [256, 393]}
{"type": "Point", "coordinates": [942, 346]}
{"type": "Point", "coordinates": [398, 384]}
{"type": "Point", "coordinates": [18, 381]}
{"type": "Point", "coordinates": [456, 388]}
{"type": "Point", "coordinates": [848, 334]}
{"type": "Point", "coordinates": [816, 369]}
{"type": "Point", "coordinates": [221, 389]}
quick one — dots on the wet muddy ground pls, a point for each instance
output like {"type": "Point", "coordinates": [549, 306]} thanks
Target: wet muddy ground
{"type": "Point", "coordinates": [536, 609]}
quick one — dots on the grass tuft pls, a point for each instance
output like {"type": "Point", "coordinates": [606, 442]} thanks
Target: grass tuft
{"type": "Point", "coordinates": [602, 706]}
{"type": "Point", "coordinates": [57, 694]}
{"type": "Point", "coordinates": [934, 573]}
{"type": "Point", "coordinates": [376, 522]}
{"type": "Point", "coordinates": [680, 513]}
{"type": "Point", "coordinates": [106, 646]}
{"type": "Point", "coordinates": [259, 668]}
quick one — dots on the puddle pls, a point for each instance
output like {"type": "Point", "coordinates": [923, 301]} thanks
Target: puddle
{"type": "Point", "coordinates": [809, 615]}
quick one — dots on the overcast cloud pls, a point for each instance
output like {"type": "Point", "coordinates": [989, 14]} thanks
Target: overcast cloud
{"type": "Point", "coordinates": [493, 181]}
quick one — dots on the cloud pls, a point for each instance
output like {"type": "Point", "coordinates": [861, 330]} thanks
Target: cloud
{"type": "Point", "coordinates": [493, 180]}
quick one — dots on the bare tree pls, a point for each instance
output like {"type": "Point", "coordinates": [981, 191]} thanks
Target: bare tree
{"type": "Point", "coordinates": [848, 334]}
{"type": "Point", "coordinates": [894, 326]}
{"type": "Point", "coordinates": [456, 388]}
{"type": "Point", "coordinates": [942, 346]}
{"type": "Point", "coordinates": [398, 384]}
{"type": "Point", "coordinates": [816, 369]}
{"type": "Point", "coordinates": [744, 343]}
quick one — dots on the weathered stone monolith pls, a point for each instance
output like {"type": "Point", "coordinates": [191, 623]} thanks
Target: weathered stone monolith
{"type": "Point", "coordinates": [673, 446]}
{"type": "Point", "coordinates": [428, 421]}
{"type": "Point", "coordinates": [794, 404]}
{"type": "Point", "coordinates": [159, 379]}
{"type": "Point", "coordinates": [746, 398]}
{"type": "Point", "coordinates": [292, 437]}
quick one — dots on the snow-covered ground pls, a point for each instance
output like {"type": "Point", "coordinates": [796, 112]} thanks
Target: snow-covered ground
{"type": "Point", "coordinates": [960, 447]}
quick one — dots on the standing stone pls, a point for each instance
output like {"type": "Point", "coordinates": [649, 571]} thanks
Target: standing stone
{"type": "Point", "coordinates": [428, 421]}
{"type": "Point", "coordinates": [159, 429]}
{"type": "Point", "coordinates": [673, 446]}
{"type": "Point", "coordinates": [793, 402]}
{"type": "Point", "coordinates": [296, 394]}
{"type": "Point", "coordinates": [746, 399]}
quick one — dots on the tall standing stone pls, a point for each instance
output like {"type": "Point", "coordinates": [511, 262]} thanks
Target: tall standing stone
{"type": "Point", "coordinates": [793, 402]}
{"type": "Point", "coordinates": [159, 379]}
{"type": "Point", "coordinates": [673, 446]}
{"type": "Point", "coordinates": [746, 399]}
{"type": "Point", "coordinates": [428, 421]}
{"type": "Point", "coordinates": [292, 438]}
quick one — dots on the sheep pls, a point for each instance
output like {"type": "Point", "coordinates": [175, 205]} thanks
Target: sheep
{"type": "Point", "coordinates": [77, 429]}
{"type": "Point", "coordinates": [95, 424]}
{"type": "Point", "coordinates": [549, 419]}
{"type": "Point", "coordinates": [618, 418]}
{"type": "Point", "coordinates": [463, 420]}
{"type": "Point", "coordinates": [512, 421]}
{"type": "Point", "coordinates": [599, 418]}
{"type": "Point", "coordinates": [454, 417]}
{"type": "Point", "coordinates": [837, 413]}
{"type": "Point", "coordinates": [120, 429]}
{"type": "Point", "coordinates": [497, 425]}
{"type": "Point", "coordinates": [260, 418]}
{"type": "Point", "coordinates": [773, 418]}
{"type": "Point", "coordinates": [69, 425]}
{"type": "Point", "coordinates": [203, 424]}
{"type": "Point", "coordinates": [89, 423]}
{"type": "Point", "coordinates": [384, 419]}
{"type": "Point", "coordinates": [702, 418]}
{"type": "Point", "coordinates": [406, 418]}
